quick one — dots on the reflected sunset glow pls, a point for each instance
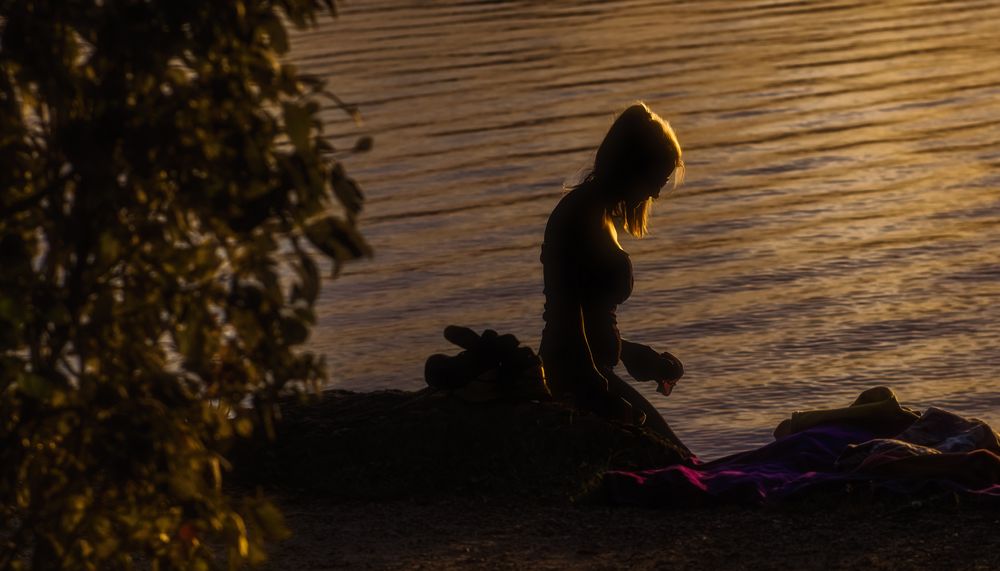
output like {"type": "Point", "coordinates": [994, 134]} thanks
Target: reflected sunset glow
{"type": "Point", "coordinates": [837, 228]}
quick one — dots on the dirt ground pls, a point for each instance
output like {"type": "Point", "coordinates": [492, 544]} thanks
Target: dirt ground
{"type": "Point", "coordinates": [469, 533]}
{"type": "Point", "coordinates": [396, 480]}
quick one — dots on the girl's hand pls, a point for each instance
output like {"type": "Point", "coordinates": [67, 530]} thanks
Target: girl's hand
{"type": "Point", "coordinates": [645, 364]}
{"type": "Point", "coordinates": [674, 366]}
{"type": "Point", "coordinates": [666, 385]}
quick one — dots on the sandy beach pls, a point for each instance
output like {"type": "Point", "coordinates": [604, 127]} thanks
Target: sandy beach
{"type": "Point", "coordinates": [478, 533]}
{"type": "Point", "coordinates": [399, 480]}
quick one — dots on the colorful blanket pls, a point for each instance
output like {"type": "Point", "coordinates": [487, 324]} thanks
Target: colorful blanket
{"type": "Point", "coordinates": [875, 441]}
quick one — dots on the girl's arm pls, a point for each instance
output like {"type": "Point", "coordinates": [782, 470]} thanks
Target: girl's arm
{"type": "Point", "coordinates": [586, 357]}
{"type": "Point", "coordinates": [645, 364]}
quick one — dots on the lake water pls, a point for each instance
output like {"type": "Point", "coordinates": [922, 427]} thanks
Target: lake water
{"type": "Point", "coordinates": [839, 227]}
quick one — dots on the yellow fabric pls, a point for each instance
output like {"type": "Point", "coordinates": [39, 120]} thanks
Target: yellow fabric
{"type": "Point", "coordinates": [875, 407]}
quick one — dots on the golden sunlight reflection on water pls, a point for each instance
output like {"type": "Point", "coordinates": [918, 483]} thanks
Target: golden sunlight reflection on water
{"type": "Point", "coordinates": [838, 228]}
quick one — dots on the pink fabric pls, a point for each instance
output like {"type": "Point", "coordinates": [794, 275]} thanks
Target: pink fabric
{"type": "Point", "coordinates": [939, 451]}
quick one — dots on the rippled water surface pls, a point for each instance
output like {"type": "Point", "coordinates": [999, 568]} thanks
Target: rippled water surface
{"type": "Point", "coordinates": [839, 227]}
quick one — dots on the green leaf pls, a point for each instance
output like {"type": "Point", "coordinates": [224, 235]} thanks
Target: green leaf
{"type": "Point", "coordinates": [364, 144]}
{"type": "Point", "coordinates": [294, 331]}
{"type": "Point", "coordinates": [346, 190]}
{"type": "Point", "coordinates": [34, 386]}
{"type": "Point", "coordinates": [108, 248]}
{"type": "Point", "coordinates": [297, 125]}
{"type": "Point", "coordinates": [331, 5]}
{"type": "Point", "coordinates": [277, 34]}
{"type": "Point", "coordinates": [307, 287]}
{"type": "Point", "coordinates": [337, 239]}
{"type": "Point", "coordinates": [271, 521]}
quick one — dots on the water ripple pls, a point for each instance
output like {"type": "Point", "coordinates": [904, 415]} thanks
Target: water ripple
{"type": "Point", "coordinates": [838, 227]}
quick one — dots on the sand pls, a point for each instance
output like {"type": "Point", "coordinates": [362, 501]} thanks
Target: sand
{"type": "Point", "coordinates": [398, 480]}
{"type": "Point", "coordinates": [470, 533]}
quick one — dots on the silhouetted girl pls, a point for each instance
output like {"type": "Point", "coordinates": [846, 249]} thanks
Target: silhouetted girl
{"type": "Point", "coordinates": [587, 273]}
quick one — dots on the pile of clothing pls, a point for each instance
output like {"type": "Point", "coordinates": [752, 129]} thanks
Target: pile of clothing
{"type": "Point", "coordinates": [875, 442]}
{"type": "Point", "coordinates": [490, 367]}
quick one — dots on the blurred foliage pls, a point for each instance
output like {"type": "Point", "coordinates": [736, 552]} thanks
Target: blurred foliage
{"type": "Point", "coordinates": [164, 180]}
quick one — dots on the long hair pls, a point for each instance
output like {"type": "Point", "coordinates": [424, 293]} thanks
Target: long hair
{"type": "Point", "coordinates": [639, 146]}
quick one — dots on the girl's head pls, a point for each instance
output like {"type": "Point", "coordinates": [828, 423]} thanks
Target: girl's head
{"type": "Point", "coordinates": [636, 158]}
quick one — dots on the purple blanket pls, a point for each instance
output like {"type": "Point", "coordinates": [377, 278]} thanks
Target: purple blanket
{"type": "Point", "coordinates": [938, 451]}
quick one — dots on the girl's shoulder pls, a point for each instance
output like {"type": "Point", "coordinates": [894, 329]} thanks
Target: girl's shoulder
{"type": "Point", "coordinates": [575, 222]}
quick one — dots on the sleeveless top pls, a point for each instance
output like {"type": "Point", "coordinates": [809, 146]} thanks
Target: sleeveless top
{"type": "Point", "coordinates": [594, 279]}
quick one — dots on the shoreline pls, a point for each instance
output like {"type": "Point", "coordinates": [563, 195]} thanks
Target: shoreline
{"type": "Point", "coordinates": [392, 444]}
{"type": "Point", "coordinates": [422, 480]}
{"type": "Point", "coordinates": [484, 533]}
